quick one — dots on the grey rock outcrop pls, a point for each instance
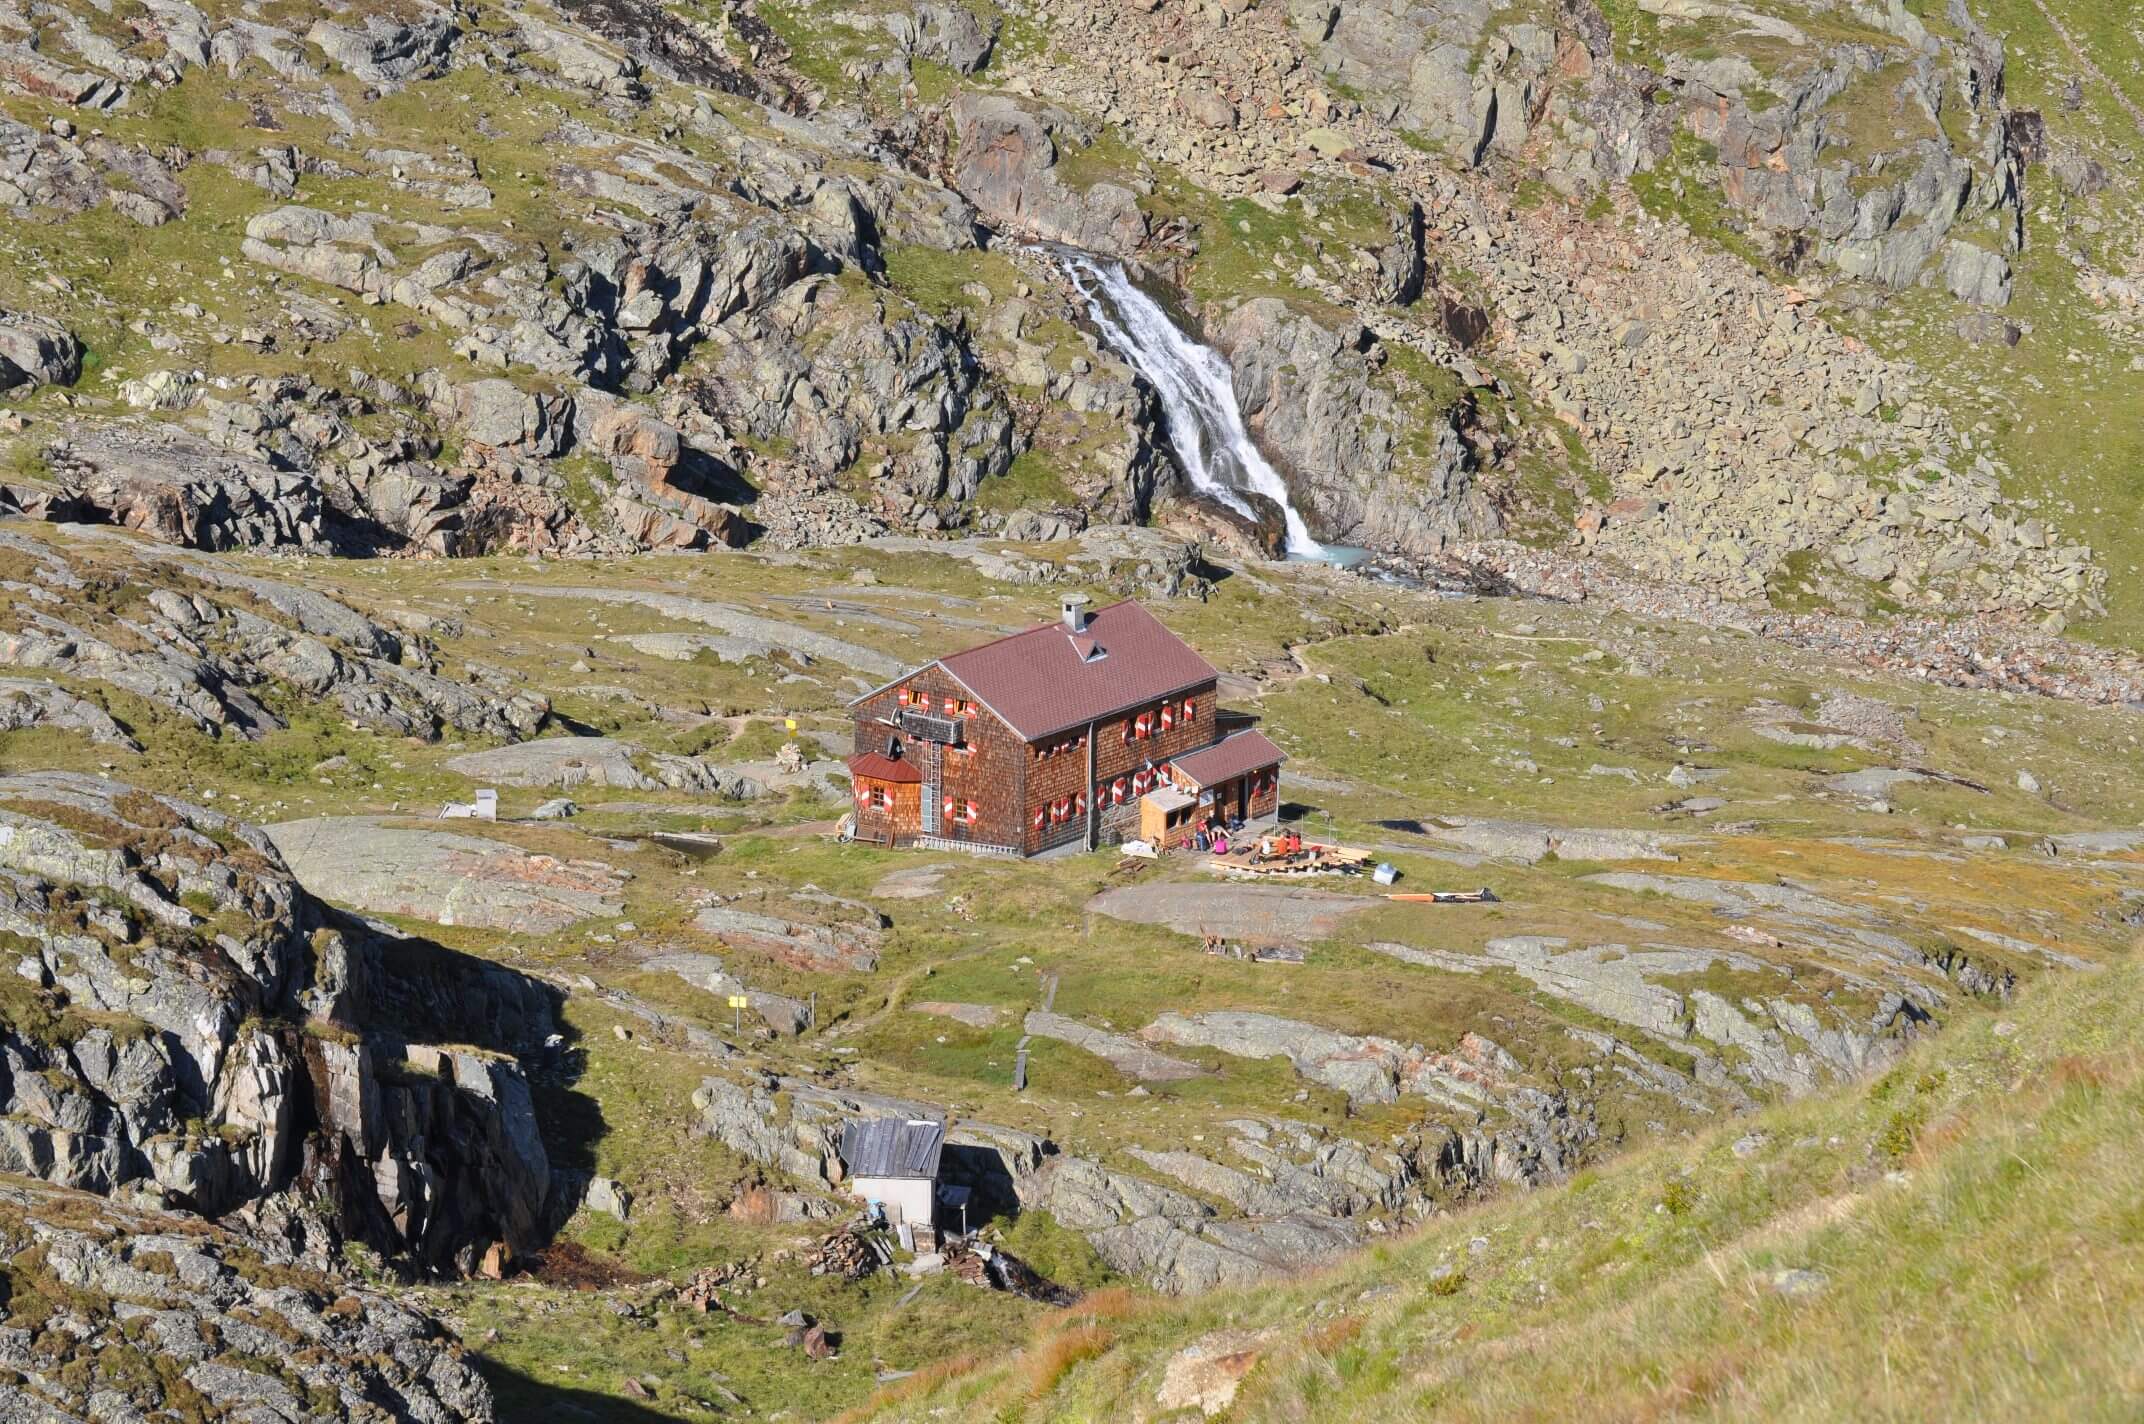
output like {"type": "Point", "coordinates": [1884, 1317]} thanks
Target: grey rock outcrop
{"type": "Point", "coordinates": [188, 1028]}
{"type": "Point", "coordinates": [1120, 1051]}
{"type": "Point", "coordinates": [179, 490]}
{"type": "Point", "coordinates": [382, 52]}
{"type": "Point", "coordinates": [949, 33]}
{"type": "Point", "coordinates": [1368, 466]}
{"type": "Point", "coordinates": [569, 762]}
{"type": "Point", "coordinates": [243, 1326]}
{"type": "Point", "coordinates": [1865, 152]}
{"type": "Point", "coordinates": [704, 971]}
{"type": "Point", "coordinates": [1368, 1069]}
{"type": "Point", "coordinates": [44, 704]}
{"type": "Point", "coordinates": [211, 660]}
{"type": "Point", "coordinates": [1005, 162]}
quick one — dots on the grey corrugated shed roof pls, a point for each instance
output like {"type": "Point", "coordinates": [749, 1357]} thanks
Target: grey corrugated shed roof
{"type": "Point", "coordinates": [892, 1147]}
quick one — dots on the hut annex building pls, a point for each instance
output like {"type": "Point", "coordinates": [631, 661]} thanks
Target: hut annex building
{"type": "Point", "coordinates": [1089, 731]}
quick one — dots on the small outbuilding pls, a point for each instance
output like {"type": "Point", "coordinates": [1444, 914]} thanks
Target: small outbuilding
{"type": "Point", "coordinates": [892, 1163]}
{"type": "Point", "coordinates": [1237, 778]}
{"type": "Point", "coordinates": [1165, 817]}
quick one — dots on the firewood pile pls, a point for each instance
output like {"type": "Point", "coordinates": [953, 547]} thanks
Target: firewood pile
{"type": "Point", "coordinates": [850, 1254]}
{"type": "Point", "coordinates": [993, 1269]}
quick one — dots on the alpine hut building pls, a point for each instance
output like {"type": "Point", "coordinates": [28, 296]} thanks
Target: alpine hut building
{"type": "Point", "coordinates": [1056, 737]}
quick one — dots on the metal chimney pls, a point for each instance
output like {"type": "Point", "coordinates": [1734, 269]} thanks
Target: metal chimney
{"type": "Point", "coordinates": [1075, 612]}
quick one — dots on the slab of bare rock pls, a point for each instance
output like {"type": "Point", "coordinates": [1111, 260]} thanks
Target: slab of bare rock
{"type": "Point", "coordinates": [1156, 1233]}
{"type": "Point", "coordinates": [1427, 958]}
{"type": "Point", "coordinates": [1735, 897]}
{"type": "Point", "coordinates": [1205, 1374]}
{"type": "Point", "coordinates": [1875, 783]}
{"type": "Point", "coordinates": [179, 489]}
{"type": "Point", "coordinates": [445, 878]}
{"type": "Point", "coordinates": [562, 762]}
{"type": "Point", "coordinates": [726, 618]}
{"type": "Point", "coordinates": [1184, 1255]}
{"type": "Point", "coordinates": [384, 53]}
{"type": "Point", "coordinates": [1120, 1051]}
{"type": "Point", "coordinates": [1369, 1069]}
{"type": "Point", "coordinates": [851, 946]}
{"type": "Point", "coordinates": [569, 762]}
{"type": "Point", "coordinates": [1524, 841]}
{"type": "Point", "coordinates": [1777, 1041]}
{"type": "Point", "coordinates": [2093, 843]}
{"type": "Point", "coordinates": [704, 971]}
{"type": "Point", "coordinates": [684, 647]}
{"type": "Point", "coordinates": [973, 1015]}
{"type": "Point", "coordinates": [949, 33]}
{"type": "Point", "coordinates": [918, 882]}
{"type": "Point", "coordinates": [1257, 914]}
{"type": "Point", "coordinates": [1291, 1170]}
{"type": "Point", "coordinates": [2031, 948]}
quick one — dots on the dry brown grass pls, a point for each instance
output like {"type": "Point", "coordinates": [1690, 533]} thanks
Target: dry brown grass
{"type": "Point", "coordinates": [1050, 1359]}
{"type": "Point", "coordinates": [1109, 1303]}
{"type": "Point", "coordinates": [922, 1382]}
{"type": "Point", "coordinates": [1335, 1335]}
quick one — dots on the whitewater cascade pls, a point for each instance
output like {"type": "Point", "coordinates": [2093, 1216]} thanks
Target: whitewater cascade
{"type": "Point", "coordinates": [1198, 395]}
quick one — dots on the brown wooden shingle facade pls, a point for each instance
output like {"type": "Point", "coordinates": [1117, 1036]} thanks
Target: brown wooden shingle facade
{"type": "Point", "coordinates": [1044, 739]}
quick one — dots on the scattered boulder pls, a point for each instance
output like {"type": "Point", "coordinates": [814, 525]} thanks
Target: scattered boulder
{"type": "Point", "coordinates": [37, 351]}
{"type": "Point", "coordinates": [608, 1197]}
{"type": "Point", "coordinates": [1205, 1374]}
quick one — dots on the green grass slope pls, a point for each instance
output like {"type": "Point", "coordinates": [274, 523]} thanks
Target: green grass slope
{"type": "Point", "coordinates": [1961, 1238]}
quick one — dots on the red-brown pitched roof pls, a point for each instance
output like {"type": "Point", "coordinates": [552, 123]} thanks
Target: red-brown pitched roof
{"type": "Point", "coordinates": [877, 766]}
{"type": "Point", "coordinates": [1048, 679]}
{"type": "Point", "coordinates": [1231, 756]}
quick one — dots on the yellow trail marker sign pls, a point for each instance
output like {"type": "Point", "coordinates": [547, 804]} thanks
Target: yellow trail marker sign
{"type": "Point", "coordinates": [739, 1001]}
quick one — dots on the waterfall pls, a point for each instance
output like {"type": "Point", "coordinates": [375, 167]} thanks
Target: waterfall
{"type": "Point", "coordinates": [1198, 395]}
